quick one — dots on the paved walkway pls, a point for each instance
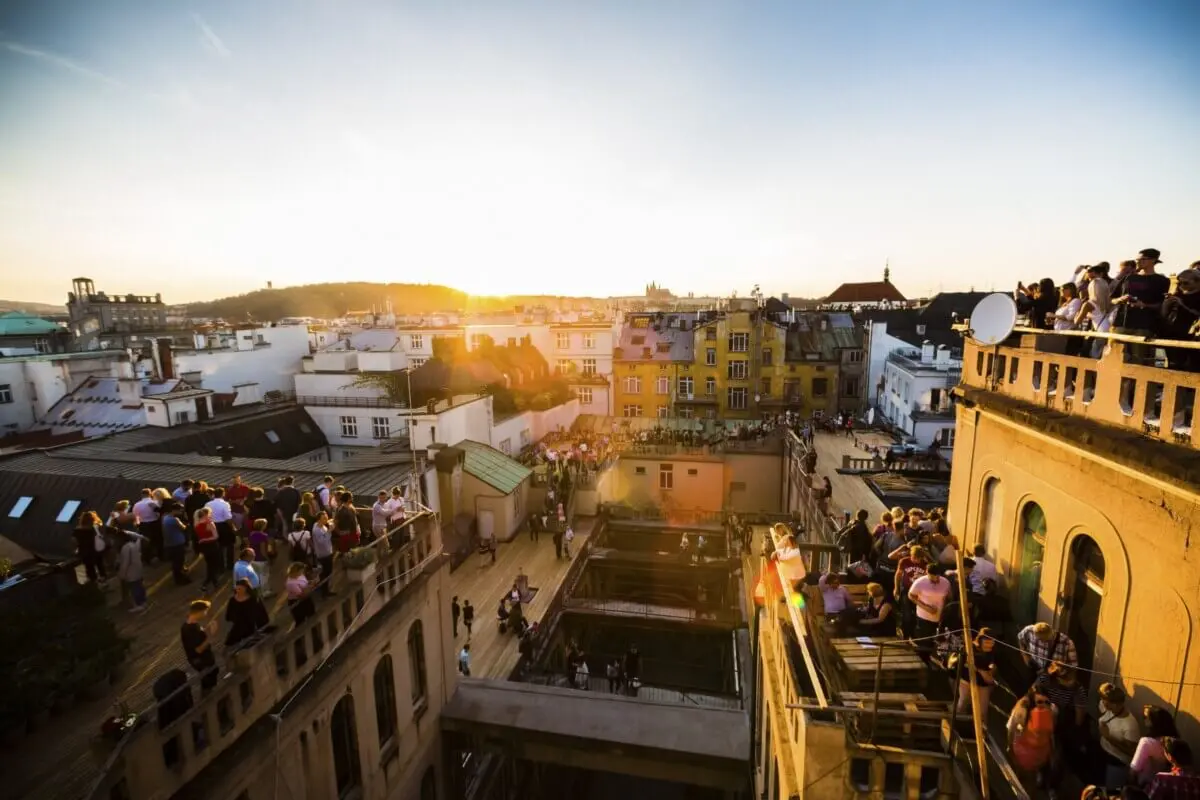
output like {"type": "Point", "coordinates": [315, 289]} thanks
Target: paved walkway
{"type": "Point", "coordinates": [850, 492]}
{"type": "Point", "coordinates": [494, 655]}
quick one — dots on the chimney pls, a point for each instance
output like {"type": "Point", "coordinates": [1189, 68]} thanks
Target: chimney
{"type": "Point", "coordinates": [166, 359]}
{"type": "Point", "coordinates": [943, 355]}
{"type": "Point", "coordinates": [927, 352]}
{"type": "Point", "coordinates": [824, 323]}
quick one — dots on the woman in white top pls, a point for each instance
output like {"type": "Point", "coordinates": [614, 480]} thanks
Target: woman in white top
{"type": "Point", "coordinates": [1068, 309]}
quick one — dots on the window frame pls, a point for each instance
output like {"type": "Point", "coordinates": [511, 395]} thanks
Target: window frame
{"type": "Point", "coordinates": [562, 341]}
{"type": "Point", "coordinates": [686, 385]}
{"type": "Point", "coordinates": [386, 708]}
{"type": "Point", "coordinates": [6, 394]}
{"type": "Point", "coordinates": [734, 392]}
{"type": "Point", "coordinates": [589, 341]}
{"type": "Point", "coordinates": [588, 367]}
{"type": "Point", "coordinates": [349, 426]}
{"type": "Point", "coordinates": [585, 395]}
{"type": "Point", "coordinates": [738, 342]}
{"type": "Point", "coordinates": [71, 515]}
{"type": "Point", "coordinates": [20, 507]}
{"type": "Point", "coordinates": [666, 477]}
{"type": "Point", "coordinates": [378, 425]}
{"type": "Point", "coordinates": [417, 666]}
{"type": "Point", "coordinates": [735, 366]}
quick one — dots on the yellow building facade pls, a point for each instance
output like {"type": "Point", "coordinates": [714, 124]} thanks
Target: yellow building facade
{"type": "Point", "coordinates": [738, 369]}
{"type": "Point", "coordinates": [651, 357]}
{"type": "Point", "coordinates": [1081, 479]}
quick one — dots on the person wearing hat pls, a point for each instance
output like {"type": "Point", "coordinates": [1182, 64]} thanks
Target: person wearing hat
{"type": "Point", "coordinates": [1139, 304]}
{"type": "Point", "coordinates": [1119, 734]}
{"type": "Point", "coordinates": [1041, 646]}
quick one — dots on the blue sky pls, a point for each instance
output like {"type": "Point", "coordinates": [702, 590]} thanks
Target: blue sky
{"type": "Point", "coordinates": [508, 147]}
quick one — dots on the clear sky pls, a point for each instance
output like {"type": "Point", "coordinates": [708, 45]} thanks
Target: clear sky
{"type": "Point", "coordinates": [202, 149]}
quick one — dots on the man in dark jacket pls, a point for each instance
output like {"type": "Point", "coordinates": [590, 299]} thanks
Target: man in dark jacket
{"type": "Point", "coordinates": [855, 540]}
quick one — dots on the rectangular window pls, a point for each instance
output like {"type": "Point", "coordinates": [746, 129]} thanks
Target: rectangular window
{"type": "Point", "coordinates": [820, 386]}
{"type": "Point", "coordinates": [631, 411]}
{"type": "Point", "coordinates": [666, 476]}
{"type": "Point", "coordinates": [850, 387]}
{"type": "Point", "coordinates": [585, 396]}
{"type": "Point", "coordinates": [639, 470]}
{"type": "Point", "coordinates": [6, 395]}
{"type": "Point", "coordinates": [272, 437]}
{"type": "Point", "coordinates": [416, 342]}
{"type": "Point", "coordinates": [710, 335]}
{"type": "Point", "coordinates": [737, 398]}
{"type": "Point", "coordinates": [181, 417]}
{"type": "Point", "coordinates": [739, 342]}
{"type": "Point", "coordinates": [20, 507]}
{"type": "Point", "coordinates": [506, 446]}
{"type": "Point", "coordinates": [563, 366]}
{"type": "Point", "coordinates": [67, 514]}
{"type": "Point", "coordinates": [687, 412]}
{"type": "Point", "coordinates": [736, 370]}
{"type": "Point", "coordinates": [764, 387]}
{"type": "Point", "coordinates": [710, 357]}
{"type": "Point", "coordinates": [589, 341]}
{"type": "Point", "coordinates": [766, 359]}
{"type": "Point", "coordinates": [633, 384]}
{"type": "Point", "coordinates": [710, 386]}
{"type": "Point", "coordinates": [661, 411]}
{"type": "Point", "coordinates": [417, 362]}
{"type": "Point", "coordinates": [856, 356]}
{"type": "Point", "coordinates": [381, 427]}
{"type": "Point", "coordinates": [562, 341]}
{"type": "Point", "coordinates": [349, 427]}
{"type": "Point", "coordinates": [589, 366]}
{"type": "Point", "coordinates": [685, 387]}
{"type": "Point", "coordinates": [662, 385]}
{"type": "Point", "coordinates": [524, 437]}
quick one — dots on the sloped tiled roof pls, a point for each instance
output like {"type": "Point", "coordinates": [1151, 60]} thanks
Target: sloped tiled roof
{"type": "Point", "coordinates": [493, 467]}
{"type": "Point", "coordinates": [872, 292]}
{"type": "Point", "coordinates": [95, 408]}
{"type": "Point", "coordinates": [668, 337]}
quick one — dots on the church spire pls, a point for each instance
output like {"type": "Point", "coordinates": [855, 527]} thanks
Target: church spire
{"type": "Point", "coordinates": [887, 272]}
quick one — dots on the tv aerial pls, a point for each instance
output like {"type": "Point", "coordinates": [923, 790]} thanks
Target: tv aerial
{"type": "Point", "coordinates": [993, 319]}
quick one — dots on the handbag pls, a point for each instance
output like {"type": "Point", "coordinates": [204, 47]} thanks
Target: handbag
{"type": "Point", "coordinates": [99, 542]}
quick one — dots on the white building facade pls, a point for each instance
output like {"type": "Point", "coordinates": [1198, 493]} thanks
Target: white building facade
{"type": "Point", "coordinates": [247, 362]}
{"type": "Point", "coordinates": [914, 394]}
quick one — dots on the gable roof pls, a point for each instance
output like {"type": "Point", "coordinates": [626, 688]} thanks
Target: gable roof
{"type": "Point", "coordinates": [872, 292]}
{"type": "Point", "coordinates": [493, 467]}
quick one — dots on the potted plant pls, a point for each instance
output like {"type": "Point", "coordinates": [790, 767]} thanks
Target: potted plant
{"type": "Point", "coordinates": [6, 568]}
{"type": "Point", "coordinates": [360, 563]}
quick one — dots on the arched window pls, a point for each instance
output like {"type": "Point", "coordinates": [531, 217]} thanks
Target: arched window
{"type": "Point", "coordinates": [385, 701]}
{"type": "Point", "coordinates": [429, 785]}
{"type": "Point", "coordinates": [1033, 550]}
{"type": "Point", "coordinates": [1086, 593]}
{"type": "Point", "coordinates": [989, 516]}
{"type": "Point", "coordinates": [416, 662]}
{"type": "Point", "coordinates": [344, 735]}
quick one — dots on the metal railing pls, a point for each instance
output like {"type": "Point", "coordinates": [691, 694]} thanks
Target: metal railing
{"type": "Point", "coordinates": [348, 402]}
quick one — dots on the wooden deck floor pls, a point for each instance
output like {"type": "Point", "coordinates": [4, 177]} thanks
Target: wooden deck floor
{"type": "Point", "coordinates": [850, 492]}
{"type": "Point", "coordinates": [494, 655]}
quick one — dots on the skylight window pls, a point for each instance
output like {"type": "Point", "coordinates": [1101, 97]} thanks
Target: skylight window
{"type": "Point", "coordinates": [20, 507]}
{"type": "Point", "coordinates": [272, 437]}
{"type": "Point", "coordinates": [304, 428]}
{"type": "Point", "coordinates": [68, 511]}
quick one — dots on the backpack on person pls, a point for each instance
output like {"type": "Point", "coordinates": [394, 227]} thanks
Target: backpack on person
{"type": "Point", "coordinates": [319, 496]}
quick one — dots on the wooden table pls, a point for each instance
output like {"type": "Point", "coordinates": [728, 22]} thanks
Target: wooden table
{"type": "Point", "coordinates": [858, 661]}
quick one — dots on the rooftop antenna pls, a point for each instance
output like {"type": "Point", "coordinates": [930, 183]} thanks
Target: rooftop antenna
{"type": "Point", "coordinates": [992, 321]}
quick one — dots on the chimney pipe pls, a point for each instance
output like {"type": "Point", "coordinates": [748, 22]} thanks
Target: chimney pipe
{"type": "Point", "coordinates": [165, 360]}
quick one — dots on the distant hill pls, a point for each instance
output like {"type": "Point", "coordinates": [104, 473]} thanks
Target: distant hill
{"type": "Point", "coordinates": [30, 308]}
{"type": "Point", "coordinates": [330, 300]}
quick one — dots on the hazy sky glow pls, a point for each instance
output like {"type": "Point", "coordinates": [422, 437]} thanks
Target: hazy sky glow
{"type": "Point", "coordinates": [509, 147]}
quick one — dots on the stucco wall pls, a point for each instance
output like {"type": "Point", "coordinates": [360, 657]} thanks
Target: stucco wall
{"type": "Point", "coordinates": [272, 367]}
{"type": "Point", "coordinates": [537, 423]}
{"type": "Point", "coordinates": [753, 482]}
{"type": "Point", "coordinates": [1144, 528]}
{"type": "Point", "coordinates": [508, 511]}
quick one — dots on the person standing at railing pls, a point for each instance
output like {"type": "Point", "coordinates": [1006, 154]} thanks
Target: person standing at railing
{"type": "Point", "coordinates": [1180, 314]}
{"type": "Point", "coordinates": [1139, 304]}
{"type": "Point", "coordinates": [322, 544]}
{"type": "Point", "coordinates": [1096, 305]}
{"type": "Point", "coordinates": [381, 514]}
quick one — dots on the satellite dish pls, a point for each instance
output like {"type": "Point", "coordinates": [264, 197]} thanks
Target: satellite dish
{"type": "Point", "coordinates": [993, 319]}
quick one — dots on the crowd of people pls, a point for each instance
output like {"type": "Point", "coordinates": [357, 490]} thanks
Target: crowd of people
{"type": "Point", "coordinates": [909, 562]}
{"type": "Point", "coordinates": [1137, 300]}
{"type": "Point", "coordinates": [237, 531]}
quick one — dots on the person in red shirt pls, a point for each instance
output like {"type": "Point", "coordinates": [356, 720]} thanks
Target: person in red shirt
{"type": "Point", "coordinates": [207, 542]}
{"type": "Point", "coordinates": [236, 494]}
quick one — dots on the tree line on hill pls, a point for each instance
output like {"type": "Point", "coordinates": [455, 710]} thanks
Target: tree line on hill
{"type": "Point", "coordinates": [334, 300]}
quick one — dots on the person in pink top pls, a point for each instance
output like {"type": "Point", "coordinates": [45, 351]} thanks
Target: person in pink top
{"type": "Point", "coordinates": [299, 594]}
